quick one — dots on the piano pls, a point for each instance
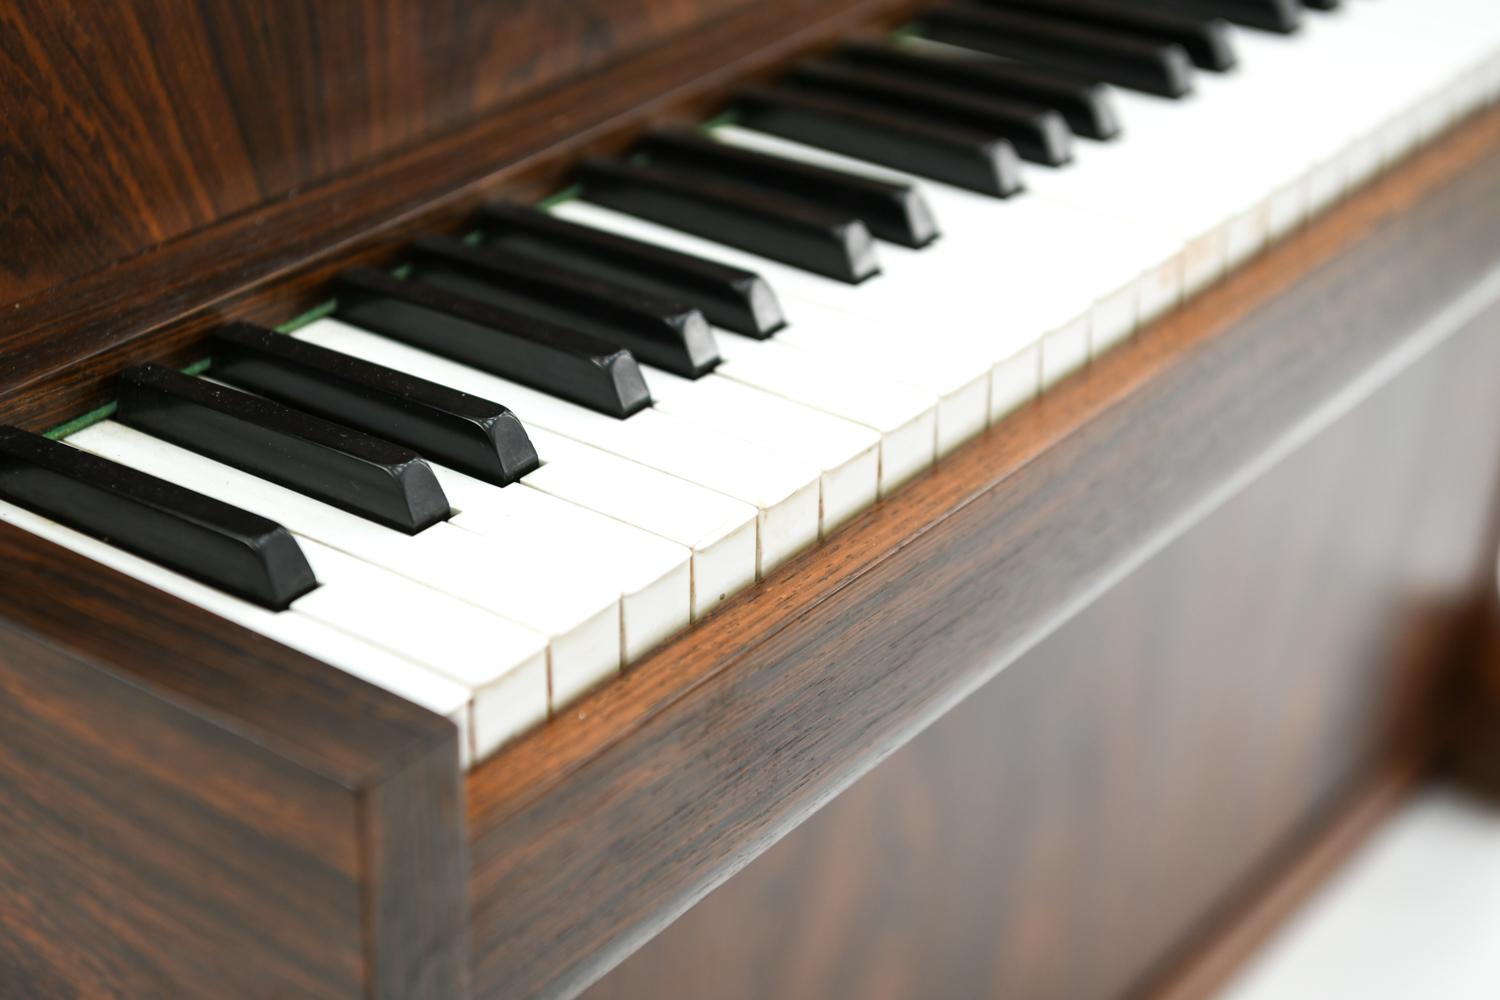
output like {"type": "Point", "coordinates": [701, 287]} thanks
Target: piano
{"type": "Point", "coordinates": [1005, 491]}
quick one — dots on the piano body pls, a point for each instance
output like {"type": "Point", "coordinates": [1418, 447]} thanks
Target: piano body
{"type": "Point", "coordinates": [1062, 674]}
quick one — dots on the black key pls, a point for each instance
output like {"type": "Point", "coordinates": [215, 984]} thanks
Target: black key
{"type": "Point", "coordinates": [471, 434]}
{"type": "Point", "coordinates": [1323, 4]}
{"type": "Point", "coordinates": [730, 297]}
{"type": "Point", "coordinates": [1283, 16]}
{"type": "Point", "coordinates": [223, 546]}
{"type": "Point", "coordinates": [895, 212]}
{"type": "Point", "coordinates": [958, 156]}
{"type": "Point", "coordinates": [1152, 67]}
{"type": "Point", "coordinates": [1206, 41]}
{"type": "Point", "coordinates": [833, 244]}
{"type": "Point", "coordinates": [1085, 104]}
{"type": "Point", "coordinates": [501, 341]}
{"type": "Point", "coordinates": [1037, 133]}
{"type": "Point", "coordinates": [667, 334]}
{"type": "Point", "coordinates": [346, 468]}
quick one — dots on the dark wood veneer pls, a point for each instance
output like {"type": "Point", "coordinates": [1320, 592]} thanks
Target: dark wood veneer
{"type": "Point", "coordinates": [191, 808]}
{"type": "Point", "coordinates": [673, 778]}
{"type": "Point", "coordinates": [154, 120]}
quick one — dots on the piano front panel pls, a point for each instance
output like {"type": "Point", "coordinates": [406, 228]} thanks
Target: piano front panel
{"type": "Point", "coordinates": [1087, 822]}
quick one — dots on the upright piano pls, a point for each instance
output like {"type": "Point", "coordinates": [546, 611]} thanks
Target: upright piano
{"type": "Point", "coordinates": [1004, 491]}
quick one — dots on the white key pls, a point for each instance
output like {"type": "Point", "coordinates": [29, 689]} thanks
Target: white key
{"type": "Point", "coordinates": [1287, 134]}
{"type": "Point", "coordinates": [503, 665]}
{"type": "Point", "coordinates": [848, 454]}
{"type": "Point", "coordinates": [956, 373]}
{"type": "Point", "coordinates": [657, 602]}
{"type": "Point", "coordinates": [401, 677]}
{"type": "Point", "coordinates": [654, 575]}
{"type": "Point", "coordinates": [521, 580]}
{"type": "Point", "coordinates": [1130, 179]}
{"type": "Point", "coordinates": [719, 529]}
{"type": "Point", "coordinates": [784, 490]}
{"type": "Point", "coordinates": [1206, 166]}
{"type": "Point", "coordinates": [905, 418]}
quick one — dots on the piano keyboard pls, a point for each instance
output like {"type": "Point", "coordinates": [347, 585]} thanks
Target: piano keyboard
{"type": "Point", "coordinates": [490, 481]}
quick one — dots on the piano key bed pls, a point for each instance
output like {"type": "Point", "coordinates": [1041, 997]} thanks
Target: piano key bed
{"type": "Point", "coordinates": [491, 481]}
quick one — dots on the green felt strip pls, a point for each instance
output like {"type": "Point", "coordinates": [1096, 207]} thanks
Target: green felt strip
{"type": "Point", "coordinates": [566, 194]}
{"type": "Point", "coordinates": [314, 314]}
{"type": "Point", "coordinates": [79, 423]}
{"type": "Point", "coordinates": [730, 117]}
{"type": "Point", "coordinates": [108, 409]}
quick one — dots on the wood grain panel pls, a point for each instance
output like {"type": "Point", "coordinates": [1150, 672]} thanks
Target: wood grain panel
{"type": "Point", "coordinates": [129, 124]}
{"type": "Point", "coordinates": [60, 347]}
{"type": "Point", "coordinates": [589, 836]}
{"type": "Point", "coordinates": [190, 808]}
{"type": "Point", "coordinates": [1064, 830]}
{"type": "Point", "coordinates": [147, 854]}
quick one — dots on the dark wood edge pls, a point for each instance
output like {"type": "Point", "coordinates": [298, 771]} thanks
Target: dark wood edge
{"type": "Point", "coordinates": [1276, 891]}
{"type": "Point", "coordinates": [416, 863]}
{"type": "Point", "coordinates": [398, 762]}
{"type": "Point", "coordinates": [1433, 746]}
{"type": "Point", "coordinates": [701, 757]}
{"type": "Point", "coordinates": [1473, 756]}
{"type": "Point", "coordinates": [63, 347]}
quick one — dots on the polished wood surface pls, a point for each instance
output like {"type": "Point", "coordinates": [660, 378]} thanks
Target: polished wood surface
{"type": "Point", "coordinates": [1098, 806]}
{"type": "Point", "coordinates": [191, 809]}
{"type": "Point", "coordinates": [61, 345]}
{"type": "Point", "coordinates": [154, 120]}
{"type": "Point", "coordinates": [673, 778]}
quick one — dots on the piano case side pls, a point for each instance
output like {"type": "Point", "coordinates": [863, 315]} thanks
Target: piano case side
{"type": "Point", "coordinates": [192, 810]}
